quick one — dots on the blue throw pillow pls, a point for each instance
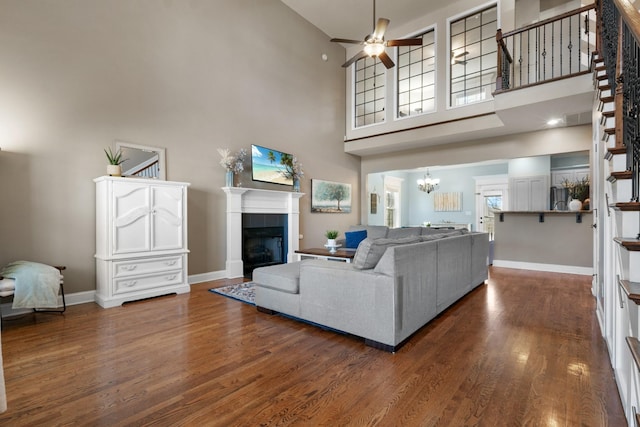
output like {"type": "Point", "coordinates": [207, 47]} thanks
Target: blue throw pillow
{"type": "Point", "coordinates": [353, 238]}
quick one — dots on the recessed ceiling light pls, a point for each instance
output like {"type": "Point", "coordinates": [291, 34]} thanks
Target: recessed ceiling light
{"type": "Point", "coordinates": [553, 122]}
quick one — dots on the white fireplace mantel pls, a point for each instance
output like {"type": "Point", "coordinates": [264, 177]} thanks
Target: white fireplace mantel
{"type": "Point", "coordinates": [253, 200]}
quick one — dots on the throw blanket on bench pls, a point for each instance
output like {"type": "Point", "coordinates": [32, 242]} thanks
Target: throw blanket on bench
{"type": "Point", "coordinates": [37, 285]}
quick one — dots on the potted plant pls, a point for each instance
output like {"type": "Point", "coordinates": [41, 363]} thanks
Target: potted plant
{"type": "Point", "coordinates": [114, 168]}
{"type": "Point", "coordinates": [331, 238]}
{"type": "Point", "coordinates": [578, 191]}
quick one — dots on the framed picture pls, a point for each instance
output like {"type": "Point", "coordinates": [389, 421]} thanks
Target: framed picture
{"type": "Point", "coordinates": [330, 197]}
{"type": "Point", "coordinates": [447, 202]}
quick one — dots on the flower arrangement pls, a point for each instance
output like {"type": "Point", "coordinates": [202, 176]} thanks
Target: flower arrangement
{"type": "Point", "coordinates": [232, 162]}
{"type": "Point", "coordinates": [578, 190]}
{"type": "Point", "coordinates": [292, 169]}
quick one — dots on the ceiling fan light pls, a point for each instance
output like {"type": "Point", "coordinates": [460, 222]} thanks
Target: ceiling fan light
{"type": "Point", "coordinates": [373, 49]}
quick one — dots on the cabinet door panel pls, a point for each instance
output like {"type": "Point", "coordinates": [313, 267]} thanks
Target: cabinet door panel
{"type": "Point", "coordinates": [130, 218]}
{"type": "Point", "coordinates": [167, 218]}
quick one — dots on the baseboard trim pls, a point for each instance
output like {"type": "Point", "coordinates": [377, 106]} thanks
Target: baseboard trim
{"type": "Point", "coordinates": [551, 268]}
{"type": "Point", "coordinates": [206, 277]}
{"type": "Point", "coordinates": [90, 296]}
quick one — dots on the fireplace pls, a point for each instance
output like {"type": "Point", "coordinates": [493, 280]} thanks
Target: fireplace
{"type": "Point", "coordinates": [264, 241]}
{"type": "Point", "coordinates": [242, 200]}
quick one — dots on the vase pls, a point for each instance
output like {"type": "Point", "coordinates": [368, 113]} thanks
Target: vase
{"type": "Point", "coordinates": [229, 179]}
{"type": "Point", "coordinates": [575, 205]}
{"type": "Point", "coordinates": [114, 170]}
{"type": "Point", "coordinates": [296, 185]}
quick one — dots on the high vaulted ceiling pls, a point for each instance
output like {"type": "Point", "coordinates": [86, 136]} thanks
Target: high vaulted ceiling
{"type": "Point", "coordinates": [353, 19]}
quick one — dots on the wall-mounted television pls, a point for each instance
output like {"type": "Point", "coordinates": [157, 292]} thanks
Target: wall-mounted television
{"type": "Point", "coordinates": [268, 165]}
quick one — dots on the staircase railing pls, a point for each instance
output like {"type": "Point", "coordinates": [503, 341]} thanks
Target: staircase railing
{"type": "Point", "coordinates": [556, 48]}
{"type": "Point", "coordinates": [621, 54]}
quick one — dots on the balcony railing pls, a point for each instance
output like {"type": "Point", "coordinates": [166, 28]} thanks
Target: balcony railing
{"type": "Point", "coordinates": [621, 54]}
{"type": "Point", "coordinates": [552, 49]}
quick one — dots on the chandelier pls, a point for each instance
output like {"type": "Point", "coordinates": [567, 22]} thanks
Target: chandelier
{"type": "Point", "coordinates": [428, 184]}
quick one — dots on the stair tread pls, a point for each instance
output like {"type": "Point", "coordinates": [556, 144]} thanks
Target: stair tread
{"type": "Point", "coordinates": [628, 206]}
{"type": "Point", "coordinates": [608, 114]}
{"type": "Point", "coordinates": [619, 149]}
{"type": "Point", "coordinates": [607, 98]}
{"type": "Point", "coordinates": [621, 175]}
{"type": "Point", "coordinates": [634, 346]}
{"type": "Point", "coordinates": [610, 131]}
{"type": "Point", "coordinates": [629, 243]}
{"type": "Point", "coordinates": [632, 289]}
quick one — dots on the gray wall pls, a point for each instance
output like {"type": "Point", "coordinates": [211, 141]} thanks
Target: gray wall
{"type": "Point", "coordinates": [187, 75]}
{"type": "Point", "coordinates": [559, 240]}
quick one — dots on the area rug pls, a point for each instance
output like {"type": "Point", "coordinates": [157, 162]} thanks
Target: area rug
{"type": "Point", "coordinates": [244, 292]}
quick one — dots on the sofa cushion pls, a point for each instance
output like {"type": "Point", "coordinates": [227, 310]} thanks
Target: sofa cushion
{"type": "Point", "coordinates": [371, 250]}
{"type": "Point", "coordinates": [397, 233]}
{"type": "Point", "coordinates": [373, 231]}
{"type": "Point", "coordinates": [353, 238]}
{"type": "Point", "coordinates": [281, 277]}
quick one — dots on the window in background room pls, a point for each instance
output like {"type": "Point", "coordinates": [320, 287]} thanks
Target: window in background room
{"type": "Point", "coordinates": [473, 57]}
{"type": "Point", "coordinates": [416, 77]}
{"type": "Point", "coordinates": [369, 92]}
{"type": "Point", "coordinates": [392, 202]}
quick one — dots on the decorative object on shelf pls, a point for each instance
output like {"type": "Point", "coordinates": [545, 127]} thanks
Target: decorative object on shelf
{"type": "Point", "coordinates": [331, 238]}
{"type": "Point", "coordinates": [428, 183]}
{"type": "Point", "coordinates": [330, 197]}
{"type": "Point", "coordinates": [292, 170]}
{"type": "Point", "coordinates": [114, 167]}
{"type": "Point", "coordinates": [233, 163]}
{"type": "Point", "coordinates": [578, 192]}
{"type": "Point", "coordinates": [332, 248]}
{"type": "Point", "coordinates": [575, 205]}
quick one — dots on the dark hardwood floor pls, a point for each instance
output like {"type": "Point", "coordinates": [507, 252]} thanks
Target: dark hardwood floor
{"type": "Point", "coordinates": [525, 349]}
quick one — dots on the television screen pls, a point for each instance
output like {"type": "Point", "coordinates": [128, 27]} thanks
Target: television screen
{"type": "Point", "coordinates": [267, 165]}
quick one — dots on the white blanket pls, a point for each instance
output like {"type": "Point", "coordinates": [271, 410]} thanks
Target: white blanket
{"type": "Point", "coordinates": [36, 285]}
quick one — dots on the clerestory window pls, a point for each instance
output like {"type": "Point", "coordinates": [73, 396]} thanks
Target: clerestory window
{"type": "Point", "coordinates": [473, 57]}
{"type": "Point", "coordinates": [416, 77]}
{"type": "Point", "coordinates": [369, 92]}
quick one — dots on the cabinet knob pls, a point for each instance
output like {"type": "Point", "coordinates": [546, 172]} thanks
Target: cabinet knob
{"type": "Point", "coordinates": [129, 284]}
{"type": "Point", "coordinates": [172, 262]}
{"type": "Point", "coordinates": [129, 267]}
{"type": "Point", "coordinates": [173, 276]}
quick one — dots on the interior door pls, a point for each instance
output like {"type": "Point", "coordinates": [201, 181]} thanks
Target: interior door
{"type": "Point", "coordinates": [490, 202]}
{"type": "Point", "coordinates": [491, 197]}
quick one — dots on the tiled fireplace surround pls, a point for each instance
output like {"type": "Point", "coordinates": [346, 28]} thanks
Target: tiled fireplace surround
{"type": "Point", "coordinates": [252, 200]}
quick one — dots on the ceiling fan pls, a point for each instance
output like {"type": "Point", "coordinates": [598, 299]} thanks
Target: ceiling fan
{"type": "Point", "coordinates": [374, 43]}
{"type": "Point", "coordinates": [456, 58]}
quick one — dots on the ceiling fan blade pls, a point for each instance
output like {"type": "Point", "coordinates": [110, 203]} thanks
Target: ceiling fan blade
{"type": "Point", "coordinates": [357, 56]}
{"type": "Point", "coordinates": [386, 60]}
{"type": "Point", "coordinates": [405, 42]}
{"type": "Point", "coordinates": [381, 27]}
{"type": "Point", "coordinates": [347, 41]}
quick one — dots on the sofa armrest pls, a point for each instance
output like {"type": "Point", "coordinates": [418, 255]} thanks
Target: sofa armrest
{"type": "Point", "coordinates": [360, 302]}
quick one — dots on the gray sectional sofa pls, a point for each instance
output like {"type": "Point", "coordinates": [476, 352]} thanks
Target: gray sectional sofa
{"type": "Point", "coordinates": [393, 287]}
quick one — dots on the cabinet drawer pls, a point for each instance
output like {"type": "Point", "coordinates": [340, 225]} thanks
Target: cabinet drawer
{"type": "Point", "coordinates": [151, 281]}
{"type": "Point", "coordinates": [144, 266]}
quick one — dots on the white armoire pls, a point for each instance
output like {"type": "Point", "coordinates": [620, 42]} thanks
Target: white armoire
{"type": "Point", "coordinates": [141, 239]}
